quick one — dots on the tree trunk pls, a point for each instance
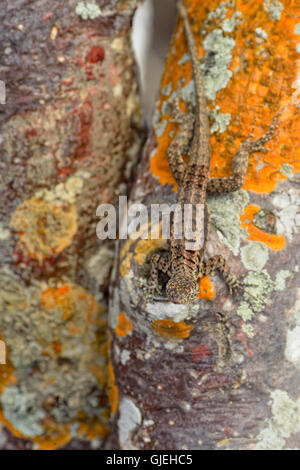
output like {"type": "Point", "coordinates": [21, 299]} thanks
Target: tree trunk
{"type": "Point", "coordinates": [70, 132]}
{"type": "Point", "coordinates": [220, 373]}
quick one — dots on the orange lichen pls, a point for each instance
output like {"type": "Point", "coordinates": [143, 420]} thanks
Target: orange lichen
{"type": "Point", "coordinates": [275, 242]}
{"type": "Point", "coordinates": [113, 393]}
{"type": "Point", "coordinates": [172, 330]}
{"type": "Point", "coordinates": [206, 289]}
{"type": "Point", "coordinates": [143, 248]}
{"type": "Point", "coordinates": [124, 326]}
{"type": "Point", "coordinates": [262, 83]}
{"type": "Point", "coordinates": [44, 229]}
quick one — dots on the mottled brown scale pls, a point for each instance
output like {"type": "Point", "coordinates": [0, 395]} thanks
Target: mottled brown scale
{"type": "Point", "coordinates": [185, 267]}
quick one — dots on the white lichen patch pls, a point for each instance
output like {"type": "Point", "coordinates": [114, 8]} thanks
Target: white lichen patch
{"type": "Point", "coordinates": [292, 348]}
{"type": "Point", "coordinates": [177, 312]}
{"type": "Point", "coordinates": [287, 212]}
{"type": "Point", "coordinates": [129, 418]}
{"type": "Point", "coordinates": [225, 213]}
{"type": "Point", "coordinates": [297, 28]}
{"type": "Point", "coordinates": [274, 8]}
{"type": "Point", "coordinates": [285, 421]}
{"type": "Point", "coordinates": [254, 255]}
{"type": "Point", "coordinates": [88, 10]}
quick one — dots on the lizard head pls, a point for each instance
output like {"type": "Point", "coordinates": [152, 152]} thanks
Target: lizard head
{"type": "Point", "coordinates": [182, 290]}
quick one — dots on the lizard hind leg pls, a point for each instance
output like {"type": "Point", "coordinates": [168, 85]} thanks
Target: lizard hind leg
{"type": "Point", "coordinates": [218, 262]}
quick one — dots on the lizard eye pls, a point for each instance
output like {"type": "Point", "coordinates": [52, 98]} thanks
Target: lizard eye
{"type": "Point", "coordinates": [182, 290]}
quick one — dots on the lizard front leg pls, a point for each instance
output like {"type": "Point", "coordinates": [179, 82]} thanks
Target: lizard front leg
{"type": "Point", "coordinates": [219, 263]}
{"type": "Point", "coordinates": [182, 139]}
{"type": "Point", "coordinates": [240, 162]}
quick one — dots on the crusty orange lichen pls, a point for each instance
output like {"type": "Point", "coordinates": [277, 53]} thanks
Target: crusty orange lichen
{"type": "Point", "coordinates": [273, 241]}
{"type": "Point", "coordinates": [206, 289]}
{"type": "Point", "coordinates": [264, 74]}
{"type": "Point", "coordinates": [124, 326]}
{"type": "Point", "coordinates": [44, 229]}
{"type": "Point", "coordinates": [113, 393]}
{"type": "Point", "coordinates": [170, 329]}
{"type": "Point", "coordinates": [141, 250]}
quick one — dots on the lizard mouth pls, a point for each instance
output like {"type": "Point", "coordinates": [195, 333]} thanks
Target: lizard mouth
{"type": "Point", "coordinates": [182, 290]}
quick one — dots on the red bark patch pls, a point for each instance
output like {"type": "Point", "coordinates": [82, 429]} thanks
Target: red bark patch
{"type": "Point", "coordinates": [96, 54]}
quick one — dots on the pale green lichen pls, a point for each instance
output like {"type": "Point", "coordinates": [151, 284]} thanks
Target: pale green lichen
{"type": "Point", "coordinates": [245, 312]}
{"type": "Point", "coordinates": [248, 330]}
{"type": "Point", "coordinates": [225, 213]}
{"type": "Point", "coordinates": [217, 75]}
{"type": "Point", "coordinates": [298, 47]}
{"type": "Point", "coordinates": [274, 8]}
{"type": "Point", "coordinates": [221, 120]}
{"type": "Point", "coordinates": [24, 410]}
{"type": "Point", "coordinates": [297, 28]}
{"type": "Point", "coordinates": [254, 255]}
{"type": "Point", "coordinates": [229, 24]}
{"type": "Point", "coordinates": [281, 277]}
{"type": "Point", "coordinates": [284, 422]}
{"type": "Point", "coordinates": [87, 10]}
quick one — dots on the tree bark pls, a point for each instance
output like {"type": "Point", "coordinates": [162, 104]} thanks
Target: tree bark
{"type": "Point", "coordinates": [220, 373]}
{"type": "Point", "coordinates": [70, 132]}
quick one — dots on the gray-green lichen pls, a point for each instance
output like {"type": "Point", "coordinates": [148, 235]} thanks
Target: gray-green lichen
{"type": "Point", "coordinates": [216, 74]}
{"type": "Point", "coordinates": [221, 120]}
{"type": "Point", "coordinates": [281, 278]}
{"type": "Point", "coordinates": [87, 10]}
{"type": "Point", "coordinates": [23, 409]}
{"type": "Point", "coordinates": [225, 213]}
{"type": "Point", "coordinates": [274, 8]}
{"type": "Point", "coordinates": [285, 421]}
{"type": "Point", "coordinates": [298, 47]}
{"type": "Point", "coordinates": [297, 28]}
{"type": "Point", "coordinates": [257, 286]}
{"type": "Point", "coordinates": [254, 255]}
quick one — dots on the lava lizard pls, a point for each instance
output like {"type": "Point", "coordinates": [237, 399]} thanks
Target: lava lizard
{"type": "Point", "coordinates": [183, 267]}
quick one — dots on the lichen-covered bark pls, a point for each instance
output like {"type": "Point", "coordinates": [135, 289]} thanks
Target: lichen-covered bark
{"type": "Point", "coordinates": [69, 137]}
{"type": "Point", "coordinates": [221, 373]}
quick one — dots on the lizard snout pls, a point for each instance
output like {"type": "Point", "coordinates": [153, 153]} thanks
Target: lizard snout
{"type": "Point", "coordinates": [182, 290]}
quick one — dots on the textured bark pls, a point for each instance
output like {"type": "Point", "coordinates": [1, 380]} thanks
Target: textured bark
{"type": "Point", "coordinates": [69, 137]}
{"type": "Point", "coordinates": [220, 373]}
